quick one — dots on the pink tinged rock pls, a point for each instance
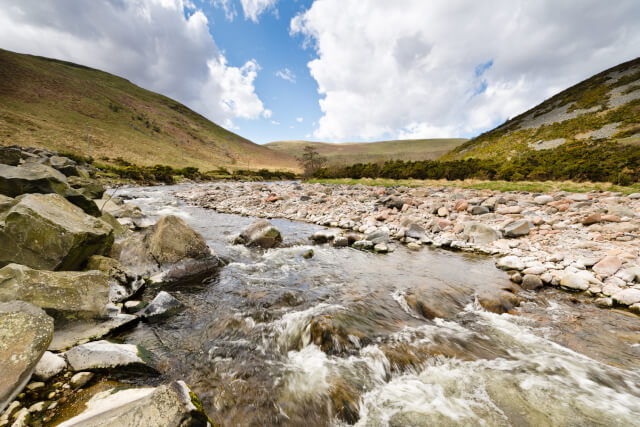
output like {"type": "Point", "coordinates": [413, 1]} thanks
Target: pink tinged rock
{"type": "Point", "coordinates": [594, 218]}
{"type": "Point", "coordinates": [608, 266]}
{"type": "Point", "coordinates": [611, 218]}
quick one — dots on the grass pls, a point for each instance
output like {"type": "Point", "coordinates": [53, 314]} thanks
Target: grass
{"type": "Point", "coordinates": [50, 103]}
{"type": "Point", "coordinates": [364, 152]}
{"type": "Point", "coordinates": [530, 186]}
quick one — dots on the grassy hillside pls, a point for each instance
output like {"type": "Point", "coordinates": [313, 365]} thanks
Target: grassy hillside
{"type": "Point", "coordinates": [349, 153]}
{"type": "Point", "coordinates": [48, 103]}
{"type": "Point", "coordinates": [602, 109]}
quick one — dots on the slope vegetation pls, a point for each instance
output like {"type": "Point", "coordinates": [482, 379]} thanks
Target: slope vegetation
{"type": "Point", "coordinates": [349, 153]}
{"type": "Point", "coordinates": [602, 109]}
{"type": "Point", "coordinates": [51, 103]}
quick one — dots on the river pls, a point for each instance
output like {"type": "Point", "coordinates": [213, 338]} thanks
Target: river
{"type": "Point", "coordinates": [277, 339]}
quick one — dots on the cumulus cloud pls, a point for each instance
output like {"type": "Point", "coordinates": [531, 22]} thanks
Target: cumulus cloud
{"type": "Point", "coordinates": [299, 119]}
{"type": "Point", "coordinates": [161, 45]}
{"type": "Point", "coordinates": [275, 122]}
{"type": "Point", "coordinates": [286, 74]}
{"type": "Point", "coordinates": [452, 68]}
{"type": "Point", "coordinates": [254, 8]}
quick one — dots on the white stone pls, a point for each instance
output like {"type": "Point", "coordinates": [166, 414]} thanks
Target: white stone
{"type": "Point", "coordinates": [104, 355]}
{"type": "Point", "coordinates": [627, 297]}
{"type": "Point", "coordinates": [510, 263]}
{"type": "Point", "coordinates": [49, 366]}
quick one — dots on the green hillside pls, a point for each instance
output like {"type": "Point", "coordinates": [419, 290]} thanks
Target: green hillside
{"type": "Point", "coordinates": [602, 109]}
{"type": "Point", "coordinates": [363, 152]}
{"type": "Point", "coordinates": [50, 103]}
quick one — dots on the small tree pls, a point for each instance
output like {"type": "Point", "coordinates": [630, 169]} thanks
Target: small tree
{"type": "Point", "coordinates": [311, 161]}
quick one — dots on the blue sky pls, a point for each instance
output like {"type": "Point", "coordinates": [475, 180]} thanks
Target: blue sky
{"type": "Point", "coordinates": [268, 42]}
{"type": "Point", "coordinates": [364, 70]}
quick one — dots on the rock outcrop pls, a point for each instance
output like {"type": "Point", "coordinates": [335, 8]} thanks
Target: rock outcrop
{"type": "Point", "coordinates": [45, 231]}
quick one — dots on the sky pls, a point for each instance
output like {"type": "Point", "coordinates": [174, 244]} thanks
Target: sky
{"type": "Point", "coordinates": [337, 70]}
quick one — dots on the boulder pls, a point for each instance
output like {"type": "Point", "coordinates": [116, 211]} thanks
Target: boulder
{"type": "Point", "coordinates": [168, 405]}
{"type": "Point", "coordinates": [49, 366]}
{"type": "Point", "coordinates": [518, 228]}
{"type": "Point", "coordinates": [47, 232]}
{"type": "Point", "coordinates": [578, 197]}
{"type": "Point", "coordinates": [261, 233]}
{"type": "Point", "coordinates": [340, 242]}
{"type": "Point", "coordinates": [531, 282]}
{"type": "Point", "coordinates": [172, 240]}
{"type": "Point", "coordinates": [479, 210]}
{"type": "Point", "coordinates": [608, 266]}
{"type": "Point", "coordinates": [163, 305]}
{"type": "Point", "coordinates": [415, 231]}
{"type": "Point", "coordinates": [25, 333]}
{"type": "Point", "coordinates": [31, 178]}
{"type": "Point", "coordinates": [480, 233]}
{"type": "Point", "coordinates": [170, 246]}
{"type": "Point", "coordinates": [70, 334]}
{"type": "Point", "coordinates": [379, 236]}
{"type": "Point", "coordinates": [543, 200]}
{"type": "Point", "coordinates": [392, 202]}
{"type": "Point", "coordinates": [621, 211]}
{"type": "Point", "coordinates": [104, 355]}
{"type": "Point", "coordinates": [579, 281]}
{"type": "Point", "coordinates": [88, 187]}
{"type": "Point", "coordinates": [510, 262]}
{"type": "Point", "coordinates": [10, 155]}
{"type": "Point", "coordinates": [363, 245]}
{"type": "Point", "coordinates": [63, 294]}
{"type": "Point", "coordinates": [627, 296]}
{"type": "Point", "coordinates": [64, 165]}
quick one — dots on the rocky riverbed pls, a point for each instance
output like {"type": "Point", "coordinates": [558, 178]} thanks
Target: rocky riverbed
{"type": "Point", "coordinates": [582, 242]}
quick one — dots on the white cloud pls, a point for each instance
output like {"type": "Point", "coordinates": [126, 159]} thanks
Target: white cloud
{"type": "Point", "coordinates": [275, 122]}
{"type": "Point", "coordinates": [286, 74]}
{"type": "Point", "coordinates": [452, 68]}
{"type": "Point", "coordinates": [299, 119]}
{"type": "Point", "coordinates": [228, 7]}
{"type": "Point", "coordinates": [254, 8]}
{"type": "Point", "coordinates": [161, 45]}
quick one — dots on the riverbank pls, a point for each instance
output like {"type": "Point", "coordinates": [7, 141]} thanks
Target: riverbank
{"type": "Point", "coordinates": [582, 242]}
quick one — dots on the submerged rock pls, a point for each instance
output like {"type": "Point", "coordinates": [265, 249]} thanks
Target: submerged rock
{"type": "Point", "coordinates": [104, 355]}
{"type": "Point", "coordinates": [45, 231]}
{"type": "Point", "coordinates": [25, 333]}
{"type": "Point", "coordinates": [168, 405]}
{"type": "Point", "coordinates": [63, 294]}
{"type": "Point", "coordinates": [261, 233]}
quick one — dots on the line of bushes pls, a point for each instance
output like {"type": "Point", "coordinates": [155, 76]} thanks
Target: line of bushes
{"type": "Point", "coordinates": [602, 161]}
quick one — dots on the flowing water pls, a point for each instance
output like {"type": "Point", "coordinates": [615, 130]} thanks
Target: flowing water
{"type": "Point", "coordinates": [277, 339]}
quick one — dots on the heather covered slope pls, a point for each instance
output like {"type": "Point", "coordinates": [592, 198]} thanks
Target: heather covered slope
{"type": "Point", "coordinates": [603, 108]}
{"type": "Point", "coordinates": [349, 153]}
{"type": "Point", "coordinates": [48, 103]}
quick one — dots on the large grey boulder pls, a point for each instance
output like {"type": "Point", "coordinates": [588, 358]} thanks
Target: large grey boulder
{"type": "Point", "coordinates": [63, 294]}
{"type": "Point", "coordinates": [105, 355]}
{"type": "Point", "coordinates": [10, 155]}
{"type": "Point", "coordinates": [25, 333]}
{"type": "Point", "coordinates": [168, 405]}
{"type": "Point", "coordinates": [47, 232]}
{"type": "Point", "coordinates": [31, 178]}
{"type": "Point", "coordinates": [70, 334]}
{"type": "Point", "coordinates": [479, 233]}
{"type": "Point", "coordinates": [171, 247]}
{"type": "Point", "coordinates": [122, 284]}
{"type": "Point", "coordinates": [261, 233]}
{"type": "Point", "coordinates": [88, 187]}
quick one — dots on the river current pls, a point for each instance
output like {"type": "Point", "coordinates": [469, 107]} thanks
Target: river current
{"type": "Point", "coordinates": [277, 339]}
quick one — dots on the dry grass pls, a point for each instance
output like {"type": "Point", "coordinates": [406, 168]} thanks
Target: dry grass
{"type": "Point", "coordinates": [49, 103]}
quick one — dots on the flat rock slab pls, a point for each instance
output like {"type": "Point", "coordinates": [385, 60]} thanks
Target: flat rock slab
{"type": "Point", "coordinates": [83, 331]}
{"type": "Point", "coordinates": [25, 333]}
{"type": "Point", "coordinates": [105, 355]}
{"type": "Point", "coordinates": [168, 405]}
{"type": "Point", "coordinates": [68, 294]}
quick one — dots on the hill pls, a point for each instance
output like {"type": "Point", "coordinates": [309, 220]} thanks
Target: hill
{"type": "Point", "coordinates": [363, 152]}
{"type": "Point", "coordinates": [602, 109]}
{"type": "Point", "coordinates": [50, 103]}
